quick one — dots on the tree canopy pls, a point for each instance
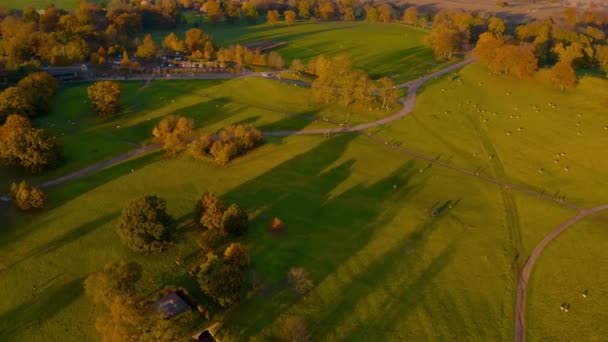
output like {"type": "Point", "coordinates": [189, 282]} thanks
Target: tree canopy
{"type": "Point", "coordinates": [27, 197]}
{"type": "Point", "coordinates": [145, 225]}
{"type": "Point", "coordinates": [105, 97]}
{"type": "Point", "coordinates": [31, 148]}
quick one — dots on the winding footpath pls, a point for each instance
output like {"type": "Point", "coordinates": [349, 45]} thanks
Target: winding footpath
{"type": "Point", "coordinates": [408, 104]}
{"type": "Point", "coordinates": [524, 277]}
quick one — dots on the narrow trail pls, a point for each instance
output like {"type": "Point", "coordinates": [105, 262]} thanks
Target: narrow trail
{"type": "Point", "coordinates": [524, 277]}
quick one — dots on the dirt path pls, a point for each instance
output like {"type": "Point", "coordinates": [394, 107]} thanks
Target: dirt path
{"type": "Point", "coordinates": [522, 284]}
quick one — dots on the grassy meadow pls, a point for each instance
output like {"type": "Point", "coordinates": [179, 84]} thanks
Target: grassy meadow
{"type": "Point", "coordinates": [357, 218]}
{"type": "Point", "coordinates": [576, 261]}
{"type": "Point", "coordinates": [393, 49]}
{"type": "Point", "coordinates": [525, 132]}
{"type": "Point", "coordinates": [266, 104]}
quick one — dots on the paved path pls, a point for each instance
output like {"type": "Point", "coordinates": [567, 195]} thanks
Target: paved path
{"type": "Point", "coordinates": [408, 105]}
{"type": "Point", "coordinates": [522, 284]}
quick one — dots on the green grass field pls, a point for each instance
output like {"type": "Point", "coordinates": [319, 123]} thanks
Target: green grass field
{"type": "Point", "coordinates": [575, 262]}
{"type": "Point", "coordinates": [263, 103]}
{"type": "Point", "coordinates": [381, 49]}
{"type": "Point", "coordinates": [383, 265]}
{"type": "Point", "coordinates": [357, 212]}
{"type": "Point", "coordinates": [470, 133]}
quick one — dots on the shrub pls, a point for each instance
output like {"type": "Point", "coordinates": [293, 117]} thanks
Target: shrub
{"type": "Point", "coordinates": [299, 279]}
{"type": "Point", "coordinates": [276, 224]}
{"type": "Point", "coordinates": [237, 254]}
{"type": "Point", "coordinates": [27, 197]}
{"type": "Point", "coordinates": [235, 220]}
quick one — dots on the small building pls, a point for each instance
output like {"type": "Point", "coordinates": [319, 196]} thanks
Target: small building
{"type": "Point", "coordinates": [170, 305]}
{"type": "Point", "coordinates": [70, 73]}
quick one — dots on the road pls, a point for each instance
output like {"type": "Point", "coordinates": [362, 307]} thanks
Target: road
{"type": "Point", "coordinates": [524, 277]}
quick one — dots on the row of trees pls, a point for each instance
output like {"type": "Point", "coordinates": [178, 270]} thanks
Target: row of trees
{"type": "Point", "coordinates": [175, 134]}
{"type": "Point", "coordinates": [564, 44]}
{"type": "Point", "coordinates": [32, 96]}
{"type": "Point", "coordinates": [59, 37]}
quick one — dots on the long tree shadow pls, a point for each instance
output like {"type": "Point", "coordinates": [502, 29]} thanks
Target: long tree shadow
{"type": "Point", "coordinates": [325, 224]}
{"type": "Point", "coordinates": [59, 241]}
{"type": "Point", "coordinates": [41, 308]}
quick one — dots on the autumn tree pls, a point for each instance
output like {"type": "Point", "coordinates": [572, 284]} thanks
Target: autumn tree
{"type": "Point", "coordinates": [386, 91]}
{"type": "Point", "coordinates": [290, 17]}
{"type": "Point", "coordinates": [563, 75]}
{"type": "Point", "coordinates": [209, 212]}
{"type": "Point", "coordinates": [444, 40]}
{"type": "Point", "coordinates": [21, 144]}
{"type": "Point", "coordinates": [174, 132]}
{"type": "Point", "coordinates": [517, 60]}
{"type": "Point", "coordinates": [105, 98]}
{"type": "Point", "coordinates": [39, 88]}
{"type": "Point", "coordinates": [272, 17]}
{"type": "Point", "coordinates": [385, 13]}
{"type": "Point", "coordinates": [145, 226]}
{"type": "Point", "coordinates": [496, 26]}
{"type": "Point", "coordinates": [173, 43]}
{"type": "Point", "coordinates": [251, 12]}
{"type": "Point", "coordinates": [304, 9]}
{"type": "Point", "coordinates": [486, 47]}
{"type": "Point", "coordinates": [213, 10]}
{"type": "Point", "coordinates": [371, 14]}
{"type": "Point", "coordinates": [601, 56]}
{"type": "Point", "coordinates": [199, 148]}
{"type": "Point", "coordinates": [410, 16]}
{"type": "Point", "coordinates": [117, 278]}
{"type": "Point", "coordinates": [223, 151]}
{"type": "Point", "coordinates": [123, 321]}
{"type": "Point", "coordinates": [235, 220]}
{"type": "Point", "coordinates": [326, 11]}
{"type": "Point", "coordinates": [275, 60]}
{"type": "Point", "coordinates": [147, 49]}
{"type": "Point", "coordinates": [15, 100]}
{"type": "Point", "coordinates": [27, 197]}
{"type": "Point", "coordinates": [237, 254]}
{"type": "Point", "coordinates": [196, 40]}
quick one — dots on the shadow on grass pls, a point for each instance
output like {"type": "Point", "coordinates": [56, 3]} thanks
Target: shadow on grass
{"type": "Point", "coordinates": [323, 230]}
{"type": "Point", "coordinates": [44, 306]}
{"type": "Point", "coordinates": [67, 237]}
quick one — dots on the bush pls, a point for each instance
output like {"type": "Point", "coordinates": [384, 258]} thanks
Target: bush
{"type": "Point", "coordinates": [145, 225]}
{"type": "Point", "coordinates": [502, 4]}
{"type": "Point", "coordinates": [235, 220]}
{"type": "Point", "coordinates": [237, 254]}
{"type": "Point", "coordinates": [276, 224]}
{"type": "Point", "coordinates": [27, 197]}
{"type": "Point", "coordinates": [299, 279]}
